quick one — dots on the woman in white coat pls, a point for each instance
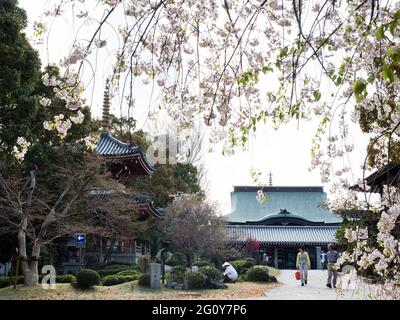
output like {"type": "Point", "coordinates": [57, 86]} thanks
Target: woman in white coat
{"type": "Point", "coordinates": [230, 274]}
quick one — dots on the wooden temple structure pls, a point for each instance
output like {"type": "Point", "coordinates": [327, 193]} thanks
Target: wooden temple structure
{"type": "Point", "coordinates": [125, 162]}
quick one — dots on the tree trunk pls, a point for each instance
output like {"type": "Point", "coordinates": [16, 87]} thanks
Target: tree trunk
{"type": "Point", "coordinates": [109, 252]}
{"type": "Point", "coordinates": [30, 269]}
{"type": "Point", "coordinates": [98, 245]}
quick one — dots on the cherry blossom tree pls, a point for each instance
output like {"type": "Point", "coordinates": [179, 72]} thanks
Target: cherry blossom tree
{"type": "Point", "coordinates": [235, 64]}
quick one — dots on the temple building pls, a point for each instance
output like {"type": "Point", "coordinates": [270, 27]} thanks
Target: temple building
{"type": "Point", "coordinates": [288, 218]}
{"type": "Point", "coordinates": [125, 162]}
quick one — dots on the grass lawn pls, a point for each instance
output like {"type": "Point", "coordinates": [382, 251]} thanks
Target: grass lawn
{"type": "Point", "coordinates": [131, 291]}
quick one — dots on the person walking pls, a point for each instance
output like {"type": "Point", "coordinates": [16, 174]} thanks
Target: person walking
{"type": "Point", "coordinates": [331, 258]}
{"type": "Point", "coordinates": [303, 264]}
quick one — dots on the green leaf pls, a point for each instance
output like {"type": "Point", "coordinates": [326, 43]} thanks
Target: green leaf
{"type": "Point", "coordinates": [360, 89]}
{"type": "Point", "coordinates": [284, 52]}
{"type": "Point", "coordinates": [392, 27]}
{"type": "Point", "coordinates": [317, 95]}
{"type": "Point", "coordinates": [387, 73]}
{"type": "Point", "coordinates": [359, 21]}
{"type": "Point", "coordinates": [396, 15]}
{"type": "Point", "coordinates": [380, 33]}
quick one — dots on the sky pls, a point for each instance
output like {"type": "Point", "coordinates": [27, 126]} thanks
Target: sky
{"type": "Point", "coordinates": [285, 152]}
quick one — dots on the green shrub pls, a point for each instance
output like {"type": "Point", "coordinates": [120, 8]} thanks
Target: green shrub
{"type": "Point", "coordinates": [212, 273]}
{"type": "Point", "coordinates": [116, 269]}
{"type": "Point", "coordinates": [178, 274]}
{"type": "Point", "coordinates": [87, 278]}
{"type": "Point", "coordinates": [133, 273]}
{"type": "Point", "coordinates": [4, 282]}
{"type": "Point", "coordinates": [251, 261]}
{"type": "Point", "coordinates": [196, 280]}
{"type": "Point", "coordinates": [144, 280]}
{"type": "Point", "coordinates": [67, 278]}
{"type": "Point", "coordinates": [258, 274]}
{"type": "Point", "coordinates": [114, 279]}
{"type": "Point", "coordinates": [204, 263]}
{"type": "Point", "coordinates": [177, 259]}
{"type": "Point", "coordinates": [243, 265]}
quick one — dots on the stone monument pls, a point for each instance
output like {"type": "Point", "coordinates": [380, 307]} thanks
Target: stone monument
{"type": "Point", "coordinates": [155, 275]}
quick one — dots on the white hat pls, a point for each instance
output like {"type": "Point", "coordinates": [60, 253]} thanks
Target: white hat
{"type": "Point", "coordinates": [226, 264]}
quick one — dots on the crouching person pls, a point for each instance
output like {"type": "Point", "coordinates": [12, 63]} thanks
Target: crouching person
{"type": "Point", "coordinates": [230, 274]}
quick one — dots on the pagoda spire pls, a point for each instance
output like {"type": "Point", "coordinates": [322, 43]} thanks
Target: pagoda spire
{"type": "Point", "coordinates": [106, 122]}
{"type": "Point", "coordinates": [270, 178]}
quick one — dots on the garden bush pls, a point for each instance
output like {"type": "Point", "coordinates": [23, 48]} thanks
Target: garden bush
{"type": "Point", "coordinates": [258, 274]}
{"type": "Point", "coordinates": [212, 273]}
{"type": "Point", "coordinates": [243, 265]}
{"type": "Point", "coordinates": [131, 272]}
{"type": "Point", "coordinates": [177, 259]}
{"type": "Point", "coordinates": [114, 279]}
{"type": "Point", "coordinates": [144, 280]}
{"type": "Point", "coordinates": [251, 261]}
{"type": "Point", "coordinates": [178, 274]}
{"type": "Point", "coordinates": [87, 278]}
{"type": "Point", "coordinates": [4, 282]}
{"type": "Point", "coordinates": [115, 269]}
{"type": "Point", "coordinates": [196, 280]}
{"type": "Point", "coordinates": [204, 263]}
{"type": "Point", "coordinates": [66, 278]}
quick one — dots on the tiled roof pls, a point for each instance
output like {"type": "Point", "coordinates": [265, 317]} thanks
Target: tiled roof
{"type": "Point", "coordinates": [110, 147]}
{"type": "Point", "coordinates": [282, 235]}
{"type": "Point", "coordinates": [299, 201]}
{"type": "Point", "coordinates": [145, 202]}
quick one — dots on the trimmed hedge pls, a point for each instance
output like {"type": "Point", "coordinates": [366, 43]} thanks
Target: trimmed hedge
{"type": "Point", "coordinates": [107, 272]}
{"type": "Point", "coordinates": [144, 280]}
{"type": "Point", "coordinates": [204, 263]}
{"type": "Point", "coordinates": [5, 281]}
{"type": "Point", "coordinates": [133, 273]}
{"type": "Point", "coordinates": [212, 273]}
{"type": "Point", "coordinates": [243, 265]}
{"type": "Point", "coordinates": [196, 280]}
{"type": "Point", "coordinates": [87, 278]}
{"type": "Point", "coordinates": [178, 274]}
{"type": "Point", "coordinates": [114, 279]}
{"type": "Point", "coordinates": [258, 274]}
{"type": "Point", "coordinates": [67, 278]}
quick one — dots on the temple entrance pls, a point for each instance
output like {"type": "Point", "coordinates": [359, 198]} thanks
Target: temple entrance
{"type": "Point", "coordinates": [286, 257]}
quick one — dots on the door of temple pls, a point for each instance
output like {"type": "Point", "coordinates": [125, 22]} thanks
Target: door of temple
{"type": "Point", "coordinates": [287, 258]}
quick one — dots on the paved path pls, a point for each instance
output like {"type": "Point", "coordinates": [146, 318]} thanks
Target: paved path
{"type": "Point", "coordinates": [352, 287]}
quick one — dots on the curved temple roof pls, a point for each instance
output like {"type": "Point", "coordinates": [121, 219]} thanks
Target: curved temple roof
{"type": "Point", "coordinates": [282, 235]}
{"type": "Point", "coordinates": [111, 148]}
{"type": "Point", "coordinates": [300, 203]}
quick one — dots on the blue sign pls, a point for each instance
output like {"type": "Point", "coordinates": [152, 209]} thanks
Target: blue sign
{"type": "Point", "coordinates": [80, 239]}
